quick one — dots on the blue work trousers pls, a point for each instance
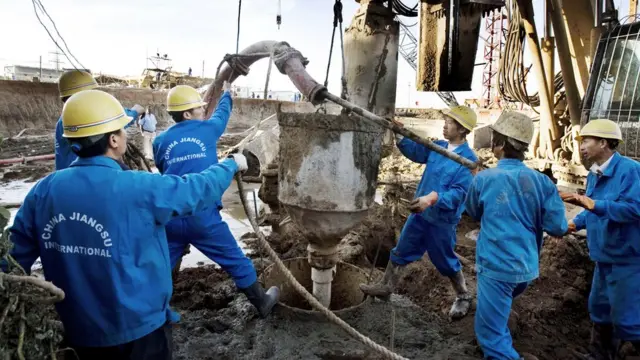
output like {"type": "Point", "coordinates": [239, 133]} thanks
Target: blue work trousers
{"type": "Point", "coordinates": [212, 236]}
{"type": "Point", "coordinates": [615, 299]}
{"type": "Point", "coordinates": [492, 317]}
{"type": "Point", "coordinates": [419, 236]}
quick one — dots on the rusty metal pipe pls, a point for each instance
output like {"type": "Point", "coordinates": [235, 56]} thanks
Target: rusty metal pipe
{"type": "Point", "coordinates": [26, 159]}
{"type": "Point", "coordinates": [526, 10]}
{"type": "Point", "coordinates": [288, 60]}
{"type": "Point", "coordinates": [564, 55]}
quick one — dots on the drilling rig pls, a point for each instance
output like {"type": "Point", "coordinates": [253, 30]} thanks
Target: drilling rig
{"type": "Point", "coordinates": [596, 51]}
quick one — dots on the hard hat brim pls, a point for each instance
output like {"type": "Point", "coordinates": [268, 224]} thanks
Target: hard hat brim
{"type": "Point", "coordinates": [185, 107]}
{"type": "Point", "coordinates": [77, 89]}
{"type": "Point", "coordinates": [114, 125]}
{"type": "Point", "coordinates": [455, 117]}
{"type": "Point", "coordinates": [580, 137]}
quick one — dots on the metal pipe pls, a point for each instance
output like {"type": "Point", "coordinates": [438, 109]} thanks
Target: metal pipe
{"type": "Point", "coordinates": [526, 10]}
{"type": "Point", "coordinates": [26, 159]}
{"type": "Point", "coordinates": [288, 60]}
{"type": "Point", "coordinates": [597, 19]}
{"type": "Point", "coordinates": [564, 54]}
{"type": "Point", "coordinates": [291, 62]}
{"type": "Point", "coordinates": [397, 129]}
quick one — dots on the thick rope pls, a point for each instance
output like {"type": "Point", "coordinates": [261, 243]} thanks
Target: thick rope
{"type": "Point", "coordinates": [302, 291]}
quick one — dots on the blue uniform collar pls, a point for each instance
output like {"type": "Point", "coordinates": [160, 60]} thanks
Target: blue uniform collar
{"type": "Point", "coordinates": [510, 162]}
{"type": "Point", "coordinates": [96, 161]}
{"type": "Point", "coordinates": [609, 170]}
{"type": "Point", "coordinates": [460, 148]}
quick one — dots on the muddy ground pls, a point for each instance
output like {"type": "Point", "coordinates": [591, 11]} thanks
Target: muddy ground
{"type": "Point", "coordinates": [549, 320]}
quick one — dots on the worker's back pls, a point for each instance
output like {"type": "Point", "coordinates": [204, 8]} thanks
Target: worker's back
{"type": "Point", "coordinates": [515, 205]}
{"type": "Point", "coordinates": [106, 249]}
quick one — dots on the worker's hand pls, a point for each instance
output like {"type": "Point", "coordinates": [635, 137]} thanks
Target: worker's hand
{"type": "Point", "coordinates": [572, 227]}
{"type": "Point", "coordinates": [226, 86]}
{"type": "Point", "coordinates": [398, 137]}
{"type": "Point", "coordinates": [420, 204]}
{"type": "Point", "coordinates": [139, 109]}
{"type": "Point", "coordinates": [241, 161]}
{"type": "Point", "coordinates": [578, 200]}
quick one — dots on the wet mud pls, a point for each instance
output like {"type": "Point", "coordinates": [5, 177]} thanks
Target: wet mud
{"type": "Point", "coordinates": [549, 320]}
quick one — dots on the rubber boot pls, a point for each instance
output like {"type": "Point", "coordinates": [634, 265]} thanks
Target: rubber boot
{"type": "Point", "coordinates": [387, 285]}
{"type": "Point", "coordinates": [602, 345]}
{"type": "Point", "coordinates": [462, 303]}
{"type": "Point", "coordinates": [261, 300]}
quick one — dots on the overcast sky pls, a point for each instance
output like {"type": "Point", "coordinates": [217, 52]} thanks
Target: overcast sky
{"type": "Point", "coordinates": [116, 36]}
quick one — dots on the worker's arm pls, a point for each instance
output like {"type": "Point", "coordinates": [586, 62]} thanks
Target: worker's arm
{"type": "Point", "coordinates": [23, 234]}
{"type": "Point", "coordinates": [413, 151]}
{"type": "Point", "coordinates": [220, 117]}
{"type": "Point", "coordinates": [58, 148]}
{"type": "Point", "coordinates": [580, 220]}
{"type": "Point", "coordinates": [554, 221]}
{"type": "Point", "coordinates": [454, 196]}
{"type": "Point", "coordinates": [172, 195]}
{"type": "Point", "coordinates": [133, 114]}
{"type": "Point", "coordinates": [626, 209]}
{"type": "Point", "coordinates": [472, 202]}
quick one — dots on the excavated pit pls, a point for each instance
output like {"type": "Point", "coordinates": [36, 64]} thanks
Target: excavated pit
{"type": "Point", "coordinates": [345, 294]}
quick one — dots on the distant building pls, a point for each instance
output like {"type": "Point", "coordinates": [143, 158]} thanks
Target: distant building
{"type": "Point", "coordinates": [31, 73]}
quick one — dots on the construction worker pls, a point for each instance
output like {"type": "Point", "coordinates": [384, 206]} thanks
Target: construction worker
{"type": "Point", "coordinates": [100, 233]}
{"type": "Point", "coordinates": [190, 146]}
{"type": "Point", "coordinates": [514, 205]}
{"type": "Point", "coordinates": [147, 127]}
{"type": "Point", "coordinates": [71, 82]}
{"type": "Point", "coordinates": [612, 220]}
{"type": "Point", "coordinates": [436, 209]}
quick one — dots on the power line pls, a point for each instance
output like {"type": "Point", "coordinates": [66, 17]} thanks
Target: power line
{"type": "Point", "coordinates": [37, 4]}
{"type": "Point", "coordinates": [57, 32]}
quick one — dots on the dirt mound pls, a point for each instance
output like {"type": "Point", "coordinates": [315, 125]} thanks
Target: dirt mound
{"type": "Point", "coordinates": [549, 320]}
{"type": "Point", "coordinates": [27, 146]}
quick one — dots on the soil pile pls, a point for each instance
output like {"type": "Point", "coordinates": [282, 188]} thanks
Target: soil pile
{"type": "Point", "coordinates": [27, 145]}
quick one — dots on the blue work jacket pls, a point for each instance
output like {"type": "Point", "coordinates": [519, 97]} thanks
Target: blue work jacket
{"type": "Point", "coordinates": [100, 234]}
{"type": "Point", "coordinates": [446, 177]}
{"type": "Point", "coordinates": [514, 205]}
{"type": "Point", "coordinates": [191, 145]}
{"type": "Point", "coordinates": [613, 227]}
{"type": "Point", "coordinates": [64, 155]}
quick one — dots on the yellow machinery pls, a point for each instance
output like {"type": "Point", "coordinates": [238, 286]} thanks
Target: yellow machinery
{"type": "Point", "coordinates": [598, 54]}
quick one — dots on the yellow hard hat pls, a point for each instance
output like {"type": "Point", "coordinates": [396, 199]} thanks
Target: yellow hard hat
{"type": "Point", "coordinates": [92, 112]}
{"type": "Point", "coordinates": [601, 128]}
{"type": "Point", "coordinates": [463, 115]}
{"type": "Point", "coordinates": [183, 98]}
{"type": "Point", "coordinates": [74, 81]}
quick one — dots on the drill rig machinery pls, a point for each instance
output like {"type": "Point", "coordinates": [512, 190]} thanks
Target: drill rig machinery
{"type": "Point", "coordinates": [599, 59]}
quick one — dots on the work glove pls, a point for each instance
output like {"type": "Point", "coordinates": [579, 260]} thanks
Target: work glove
{"type": "Point", "coordinates": [241, 161]}
{"type": "Point", "coordinates": [572, 227]}
{"type": "Point", "coordinates": [420, 204]}
{"type": "Point", "coordinates": [578, 200]}
{"type": "Point", "coordinates": [226, 86]}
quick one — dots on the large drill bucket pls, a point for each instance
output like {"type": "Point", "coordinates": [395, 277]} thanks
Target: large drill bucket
{"type": "Point", "coordinates": [449, 32]}
{"type": "Point", "coordinates": [328, 172]}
